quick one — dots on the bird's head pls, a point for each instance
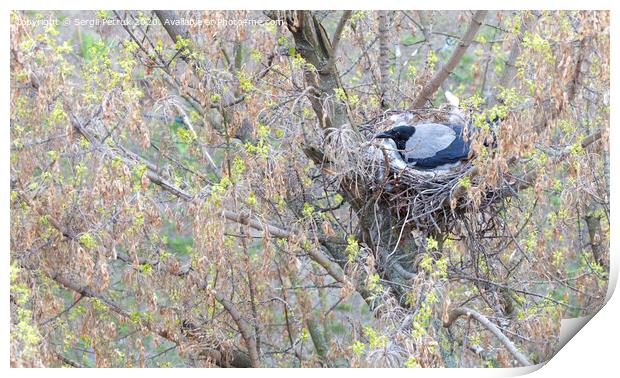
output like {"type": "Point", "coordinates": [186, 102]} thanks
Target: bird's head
{"type": "Point", "coordinates": [400, 135]}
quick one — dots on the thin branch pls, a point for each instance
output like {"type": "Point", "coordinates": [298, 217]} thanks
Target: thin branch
{"type": "Point", "coordinates": [63, 311]}
{"type": "Point", "coordinates": [431, 87]}
{"type": "Point", "coordinates": [244, 327]}
{"type": "Point", "coordinates": [66, 360]}
{"type": "Point", "coordinates": [336, 39]}
{"type": "Point", "coordinates": [464, 311]}
{"type": "Point", "coordinates": [383, 58]}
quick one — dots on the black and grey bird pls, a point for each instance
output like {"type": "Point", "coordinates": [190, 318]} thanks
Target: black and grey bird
{"type": "Point", "coordinates": [430, 145]}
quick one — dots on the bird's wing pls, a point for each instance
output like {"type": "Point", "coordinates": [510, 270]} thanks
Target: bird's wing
{"type": "Point", "coordinates": [428, 139]}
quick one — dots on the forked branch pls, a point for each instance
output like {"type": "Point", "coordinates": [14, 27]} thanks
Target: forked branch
{"type": "Point", "coordinates": [486, 323]}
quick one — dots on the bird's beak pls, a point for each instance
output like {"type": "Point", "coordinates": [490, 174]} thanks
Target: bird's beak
{"type": "Point", "coordinates": [383, 135]}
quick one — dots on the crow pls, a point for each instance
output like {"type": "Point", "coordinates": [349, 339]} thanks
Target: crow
{"type": "Point", "coordinates": [430, 145]}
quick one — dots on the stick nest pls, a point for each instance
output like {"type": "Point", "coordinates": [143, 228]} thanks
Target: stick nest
{"type": "Point", "coordinates": [431, 201]}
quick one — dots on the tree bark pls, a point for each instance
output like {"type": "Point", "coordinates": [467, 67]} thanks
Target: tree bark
{"type": "Point", "coordinates": [313, 44]}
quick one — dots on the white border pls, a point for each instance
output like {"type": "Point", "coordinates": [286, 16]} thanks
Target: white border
{"type": "Point", "coordinates": [593, 351]}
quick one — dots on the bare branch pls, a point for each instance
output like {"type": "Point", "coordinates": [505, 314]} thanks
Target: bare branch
{"type": "Point", "coordinates": [336, 39]}
{"type": "Point", "coordinates": [464, 311]}
{"type": "Point", "coordinates": [67, 309]}
{"type": "Point", "coordinates": [383, 57]}
{"type": "Point", "coordinates": [431, 87]}
{"type": "Point", "coordinates": [244, 326]}
{"type": "Point", "coordinates": [67, 361]}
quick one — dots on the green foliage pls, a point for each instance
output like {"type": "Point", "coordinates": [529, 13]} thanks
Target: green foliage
{"type": "Point", "coordinates": [218, 190]}
{"type": "Point", "coordinates": [427, 263]}
{"type": "Point", "coordinates": [244, 82]}
{"type": "Point", "coordinates": [340, 94]}
{"type": "Point", "coordinates": [25, 330]}
{"type": "Point", "coordinates": [412, 362]}
{"type": "Point", "coordinates": [57, 115]}
{"type": "Point", "coordinates": [262, 131]}
{"type": "Point", "coordinates": [431, 60]}
{"type": "Point", "coordinates": [251, 200]}
{"type": "Point", "coordinates": [87, 241]}
{"type": "Point", "coordinates": [421, 319]}
{"type": "Point", "coordinates": [186, 136]}
{"type": "Point", "coordinates": [182, 43]}
{"type": "Point", "coordinates": [134, 316]}
{"type": "Point", "coordinates": [538, 44]}
{"type": "Point", "coordinates": [411, 71]}
{"type": "Point", "coordinates": [98, 305]}
{"type": "Point", "coordinates": [431, 243]}
{"type": "Point", "coordinates": [352, 250]}
{"type": "Point", "coordinates": [358, 347]}
{"type": "Point", "coordinates": [375, 340]}
{"type": "Point", "coordinates": [261, 148]}
{"type": "Point", "coordinates": [303, 337]}
{"type": "Point", "coordinates": [441, 268]}
{"type": "Point", "coordinates": [373, 283]}
{"type": "Point", "coordinates": [308, 210]}
{"type": "Point", "coordinates": [145, 268]}
{"type": "Point", "coordinates": [464, 182]}
{"type": "Point", "coordinates": [298, 61]}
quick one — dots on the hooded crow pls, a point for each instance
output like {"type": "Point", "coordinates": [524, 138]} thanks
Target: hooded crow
{"type": "Point", "coordinates": [429, 145]}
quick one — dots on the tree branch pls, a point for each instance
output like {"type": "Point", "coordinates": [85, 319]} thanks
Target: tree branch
{"type": "Point", "coordinates": [244, 326]}
{"type": "Point", "coordinates": [431, 87]}
{"type": "Point", "coordinates": [66, 360]}
{"type": "Point", "coordinates": [318, 339]}
{"type": "Point", "coordinates": [312, 43]}
{"type": "Point", "coordinates": [464, 311]}
{"type": "Point", "coordinates": [169, 20]}
{"type": "Point", "coordinates": [336, 39]}
{"type": "Point", "coordinates": [383, 58]}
